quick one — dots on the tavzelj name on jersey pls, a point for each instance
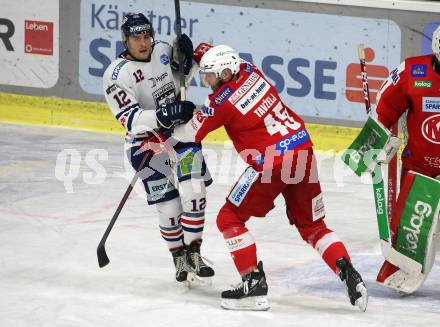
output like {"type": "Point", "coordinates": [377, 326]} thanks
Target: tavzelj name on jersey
{"type": "Point", "coordinates": [431, 104]}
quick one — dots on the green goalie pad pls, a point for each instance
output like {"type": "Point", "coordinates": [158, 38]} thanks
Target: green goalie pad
{"type": "Point", "coordinates": [418, 213]}
{"type": "Point", "coordinates": [373, 145]}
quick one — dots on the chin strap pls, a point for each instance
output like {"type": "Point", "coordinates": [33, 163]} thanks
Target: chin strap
{"type": "Point", "coordinates": [436, 65]}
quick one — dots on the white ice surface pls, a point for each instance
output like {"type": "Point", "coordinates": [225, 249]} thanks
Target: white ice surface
{"type": "Point", "coordinates": [49, 275]}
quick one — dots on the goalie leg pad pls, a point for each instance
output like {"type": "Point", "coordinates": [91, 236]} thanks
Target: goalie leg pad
{"type": "Point", "coordinates": [416, 232]}
{"type": "Point", "coordinates": [417, 217]}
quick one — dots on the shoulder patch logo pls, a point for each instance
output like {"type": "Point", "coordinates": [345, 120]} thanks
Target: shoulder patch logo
{"type": "Point", "coordinates": [247, 68]}
{"type": "Point", "coordinates": [207, 111]}
{"type": "Point", "coordinates": [164, 59]}
{"type": "Point", "coordinates": [418, 70]}
{"type": "Point", "coordinates": [111, 89]}
{"type": "Point", "coordinates": [395, 76]}
{"type": "Point", "coordinates": [117, 69]}
{"type": "Point", "coordinates": [222, 96]}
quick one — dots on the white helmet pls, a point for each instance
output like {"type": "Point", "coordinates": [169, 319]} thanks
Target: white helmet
{"type": "Point", "coordinates": [436, 42]}
{"type": "Point", "coordinates": [218, 58]}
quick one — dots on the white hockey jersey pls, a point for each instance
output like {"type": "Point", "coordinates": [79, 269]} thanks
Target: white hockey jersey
{"type": "Point", "coordinates": [134, 89]}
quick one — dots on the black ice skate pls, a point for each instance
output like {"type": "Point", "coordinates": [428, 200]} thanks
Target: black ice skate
{"type": "Point", "coordinates": [250, 294]}
{"type": "Point", "coordinates": [357, 291]}
{"type": "Point", "coordinates": [195, 260]}
{"type": "Point", "coordinates": [179, 258]}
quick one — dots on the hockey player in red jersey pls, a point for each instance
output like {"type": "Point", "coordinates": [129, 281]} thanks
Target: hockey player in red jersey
{"type": "Point", "coordinates": [273, 140]}
{"type": "Point", "coordinates": [413, 88]}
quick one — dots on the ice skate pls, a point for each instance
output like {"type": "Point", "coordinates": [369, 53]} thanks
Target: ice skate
{"type": "Point", "coordinates": [250, 294]}
{"type": "Point", "coordinates": [179, 259]}
{"type": "Point", "coordinates": [200, 272]}
{"type": "Point", "coordinates": [397, 279]}
{"type": "Point", "coordinates": [357, 291]}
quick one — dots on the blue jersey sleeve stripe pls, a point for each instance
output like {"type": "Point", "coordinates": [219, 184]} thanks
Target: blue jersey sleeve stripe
{"type": "Point", "coordinates": [120, 114]}
{"type": "Point", "coordinates": [130, 118]}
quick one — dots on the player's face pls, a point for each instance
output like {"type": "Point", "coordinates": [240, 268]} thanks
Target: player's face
{"type": "Point", "coordinates": [211, 80]}
{"type": "Point", "coordinates": [139, 46]}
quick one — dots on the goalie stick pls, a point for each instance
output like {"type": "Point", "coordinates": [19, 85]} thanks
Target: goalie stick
{"type": "Point", "coordinates": [382, 214]}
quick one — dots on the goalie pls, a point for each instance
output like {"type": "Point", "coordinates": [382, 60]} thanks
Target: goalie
{"type": "Point", "coordinates": [412, 88]}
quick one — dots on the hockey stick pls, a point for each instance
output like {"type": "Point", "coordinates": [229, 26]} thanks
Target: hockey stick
{"type": "Point", "coordinates": [179, 33]}
{"type": "Point", "coordinates": [378, 187]}
{"type": "Point", "coordinates": [190, 75]}
{"type": "Point", "coordinates": [390, 254]}
{"type": "Point", "coordinates": [103, 259]}
{"type": "Point", "coordinates": [392, 178]}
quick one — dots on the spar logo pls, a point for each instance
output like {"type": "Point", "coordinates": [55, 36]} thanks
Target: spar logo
{"type": "Point", "coordinates": [38, 37]}
{"type": "Point", "coordinates": [421, 211]}
{"type": "Point", "coordinates": [430, 104]}
{"type": "Point", "coordinates": [431, 129]}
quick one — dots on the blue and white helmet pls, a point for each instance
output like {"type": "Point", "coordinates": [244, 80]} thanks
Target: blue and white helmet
{"type": "Point", "coordinates": [436, 42]}
{"type": "Point", "coordinates": [135, 24]}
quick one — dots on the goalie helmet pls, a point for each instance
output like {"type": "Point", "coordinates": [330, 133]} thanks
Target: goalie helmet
{"type": "Point", "coordinates": [436, 43]}
{"type": "Point", "coordinates": [219, 58]}
{"type": "Point", "coordinates": [135, 24]}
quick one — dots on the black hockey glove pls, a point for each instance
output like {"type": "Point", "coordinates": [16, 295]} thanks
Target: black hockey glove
{"type": "Point", "coordinates": [172, 114]}
{"type": "Point", "coordinates": [186, 48]}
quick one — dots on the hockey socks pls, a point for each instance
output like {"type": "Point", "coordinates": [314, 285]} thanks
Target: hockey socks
{"type": "Point", "coordinates": [329, 246]}
{"type": "Point", "coordinates": [242, 248]}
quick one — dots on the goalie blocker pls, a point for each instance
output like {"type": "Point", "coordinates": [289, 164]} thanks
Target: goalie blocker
{"type": "Point", "coordinates": [374, 145]}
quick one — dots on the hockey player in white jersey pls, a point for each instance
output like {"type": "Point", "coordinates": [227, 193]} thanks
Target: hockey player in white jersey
{"type": "Point", "coordinates": [142, 80]}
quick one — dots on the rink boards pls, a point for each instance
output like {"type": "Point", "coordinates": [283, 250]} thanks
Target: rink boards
{"type": "Point", "coordinates": [96, 116]}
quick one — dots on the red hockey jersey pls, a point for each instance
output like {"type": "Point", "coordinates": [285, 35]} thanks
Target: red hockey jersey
{"type": "Point", "coordinates": [414, 87]}
{"type": "Point", "coordinates": [260, 126]}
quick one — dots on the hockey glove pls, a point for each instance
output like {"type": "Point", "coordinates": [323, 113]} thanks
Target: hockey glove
{"type": "Point", "coordinates": [183, 45]}
{"type": "Point", "coordinates": [172, 114]}
{"type": "Point", "coordinates": [374, 145]}
{"type": "Point", "coordinates": [201, 49]}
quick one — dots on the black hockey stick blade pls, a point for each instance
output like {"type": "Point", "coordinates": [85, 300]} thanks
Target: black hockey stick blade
{"type": "Point", "coordinates": [103, 259]}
